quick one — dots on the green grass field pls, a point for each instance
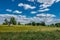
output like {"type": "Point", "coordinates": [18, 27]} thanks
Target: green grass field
{"type": "Point", "coordinates": [54, 35]}
{"type": "Point", "coordinates": [26, 28]}
{"type": "Point", "coordinates": [26, 32]}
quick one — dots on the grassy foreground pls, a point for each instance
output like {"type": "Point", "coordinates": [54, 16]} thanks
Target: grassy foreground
{"type": "Point", "coordinates": [26, 28]}
{"type": "Point", "coordinates": [25, 32]}
{"type": "Point", "coordinates": [55, 35]}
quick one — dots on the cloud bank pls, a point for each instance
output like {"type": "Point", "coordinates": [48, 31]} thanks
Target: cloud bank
{"type": "Point", "coordinates": [23, 19]}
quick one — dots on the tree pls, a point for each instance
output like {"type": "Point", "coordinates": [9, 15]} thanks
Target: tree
{"type": "Point", "coordinates": [28, 24]}
{"type": "Point", "coordinates": [13, 21]}
{"type": "Point", "coordinates": [38, 24]}
{"type": "Point", "coordinates": [52, 25]}
{"type": "Point", "coordinates": [33, 23]}
{"type": "Point", "coordinates": [18, 23]}
{"type": "Point", "coordinates": [57, 24]}
{"type": "Point", "coordinates": [5, 22]}
{"type": "Point", "coordinates": [42, 23]}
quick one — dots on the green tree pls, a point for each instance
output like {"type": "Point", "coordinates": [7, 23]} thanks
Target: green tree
{"type": "Point", "coordinates": [57, 24]}
{"type": "Point", "coordinates": [33, 23]}
{"type": "Point", "coordinates": [52, 25]}
{"type": "Point", "coordinates": [13, 20]}
{"type": "Point", "coordinates": [42, 24]}
{"type": "Point", "coordinates": [18, 23]}
{"type": "Point", "coordinates": [5, 22]}
{"type": "Point", "coordinates": [28, 24]}
{"type": "Point", "coordinates": [38, 24]}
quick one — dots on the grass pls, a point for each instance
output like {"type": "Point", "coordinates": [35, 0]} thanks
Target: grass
{"type": "Point", "coordinates": [55, 35]}
{"type": "Point", "coordinates": [27, 32]}
{"type": "Point", "coordinates": [26, 28]}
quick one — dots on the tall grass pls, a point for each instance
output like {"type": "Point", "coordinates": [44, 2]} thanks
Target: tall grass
{"type": "Point", "coordinates": [55, 35]}
{"type": "Point", "coordinates": [26, 28]}
{"type": "Point", "coordinates": [26, 32]}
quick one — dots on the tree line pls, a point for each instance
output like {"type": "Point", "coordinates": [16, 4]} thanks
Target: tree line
{"type": "Point", "coordinates": [14, 22]}
{"type": "Point", "coordinates": [55, 25]}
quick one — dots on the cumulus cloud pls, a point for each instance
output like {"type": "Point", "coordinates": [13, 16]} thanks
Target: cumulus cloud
{"type": "Point", "coordinates": [31, 0]}
{"type": "Point", "coordinates": [47, 18]}
{"type": "Point", "coordinates": [19, 18]}
{"type": "Point", "coordinates": [57, 0]}
{"type": "Point", "coordinates": [17, 11]}
{"type": "Point", "coordinates": [43, 10]}
{"type": "Point", "coordinates": [33, 12]}
{"type": "Point", "coordinates": [45, 4]}
{"type": "Point", "coordinates": [26, 6]}
{"type": "Point", "coordinates": [8, 10]}
{"type": "Point", "coordinates": [5, 16]}
{"type": "Point", "coordinates": [45, 15]}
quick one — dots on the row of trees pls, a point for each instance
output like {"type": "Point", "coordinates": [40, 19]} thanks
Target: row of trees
{"type": "Point", "coordinates": [36, 24]}
{"type": "Point", "coordinates": [14, 22]}
{"type": "Point", "coordinates": [55, 25]}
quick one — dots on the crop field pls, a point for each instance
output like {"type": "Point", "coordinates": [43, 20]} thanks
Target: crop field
{"type": "Point", "coordinates": [26, 28]}
{"type": "Point", "coordinates": [27, 32]}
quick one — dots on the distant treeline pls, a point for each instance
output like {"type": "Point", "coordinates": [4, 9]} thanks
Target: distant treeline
{"type": "Point", "coordinates": [14, 22]}
{"type": "Point", "coordinates": [55, 25]}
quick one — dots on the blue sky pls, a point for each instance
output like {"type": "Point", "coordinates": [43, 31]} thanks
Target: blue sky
{"type": "Point", "coordinates": [30, 9]}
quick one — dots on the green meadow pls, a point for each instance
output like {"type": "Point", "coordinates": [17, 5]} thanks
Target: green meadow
{"type": "Point", "coordinates": [28, 32]}
{"type": "Point", "coordinates": [26, 28]}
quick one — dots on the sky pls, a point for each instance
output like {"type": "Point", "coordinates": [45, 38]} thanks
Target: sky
{"type": "Point", "coordinates": [26, 11]}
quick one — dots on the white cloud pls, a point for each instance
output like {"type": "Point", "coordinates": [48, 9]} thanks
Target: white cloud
{"type": "Point", "coordinates": [8, 10]}
{"type": "Point", "coordinates": [16, 11]}
{"type": "Point", "coordinates": [26, 6]}
{"type": "Point", "coordinates": [21, 4]}
{"type": "Point", "coordinates": [39, 15]}
{"type": "Point", "coordinates": [57, 0]}
{"type": "Point", "coordinates": [43, 10]}
{"type": "Point", "coordinates": [7, 16]}
{"type": "Point", "coordinates": [33, 12]}
{"type": "Point", "coordinates": [19, 18]}
{"type": "Point", "coordinates": [50, 15]}
{"type": "Point", "coordinates": [31, 0]}
{"type": "Point", "coordinates": [48, 18]}
{"type": "Point", "coordinates": [45, 15]}
{"type": "Point", "coordinates": [45, 4]}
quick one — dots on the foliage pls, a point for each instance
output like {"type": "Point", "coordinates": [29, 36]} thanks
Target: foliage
{"type": "Point", "coordinates": [42, 23]}
{"type": "Point", "coordinates": [52, 25]}
{"type": "Point", "coordinates": [36, 24]}
{"type": "Point", "coordinates": [5, 22]}
{"type": "Point", "coordinates": [57, 24]}
{"type": "Point", "coordinates": [33, 23]}
{"type": "Point", "coordinates": [19, 23]}
{"type": "Point", "coordinates": [13, 21]}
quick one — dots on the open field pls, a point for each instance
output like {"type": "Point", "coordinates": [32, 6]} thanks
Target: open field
{"type": "Point", "coordinates": [54, 35]}
{"type": "Point", "coordinates": [26, 28]}
{"type": "Point", "coordinates": [25, 32]}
